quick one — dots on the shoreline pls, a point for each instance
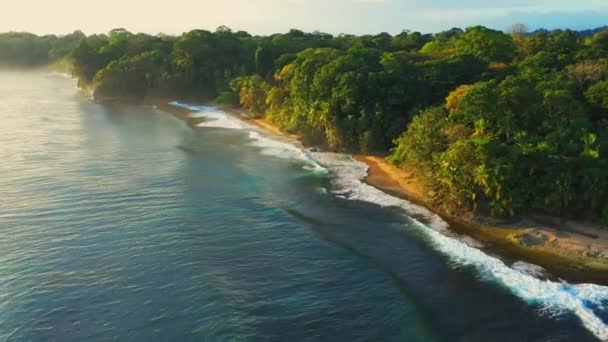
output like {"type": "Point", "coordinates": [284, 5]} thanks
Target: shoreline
{"type": "Point", "coordinates": [261, 123]}
{"type": "Point", "coordinates": [576, 249]}
{"type": "Point", "coordinates": [580, 255]}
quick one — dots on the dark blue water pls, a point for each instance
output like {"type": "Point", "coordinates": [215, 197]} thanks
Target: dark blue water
{"type": "Point", "coordinates": [127, 224]}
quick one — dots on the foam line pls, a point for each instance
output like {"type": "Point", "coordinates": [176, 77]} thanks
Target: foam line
{"type": "Point", "coordinates": [268, 146]}
{"type": "Point", "coordinates": [554, 297]}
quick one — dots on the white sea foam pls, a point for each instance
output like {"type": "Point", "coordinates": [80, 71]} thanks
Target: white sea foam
{"type": "Point", "coordinates": [194, 108]}
{"type": "Point", "coordinates": [220, 119]}
{"type": "Point", "coordinates": [530, 269]}
{"type": "Point", "coordinates": [268, 146]}
{"type": "Point", "coordinates": [554, 297]}
{"type": "Point", "coordinates": [275, 148]}
{"type": "Point", "coordinates": [348, 183]}
{"type": "Point", "coordinates": [214, 117]}
{"type": "Point", "coordinates": [61, 74]}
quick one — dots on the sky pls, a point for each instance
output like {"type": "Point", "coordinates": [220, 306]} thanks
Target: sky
{"type": "Point", "coordinates": [271, 16]}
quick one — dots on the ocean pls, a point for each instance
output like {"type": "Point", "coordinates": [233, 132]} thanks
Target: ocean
{"type": "Point", "coordinates": [126, 223]}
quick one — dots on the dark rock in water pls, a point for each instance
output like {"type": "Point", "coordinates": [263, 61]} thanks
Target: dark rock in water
{"type": "Point", "coordinates": [531, 269]}
{"type": "Point", "coordinates": [532, 239]}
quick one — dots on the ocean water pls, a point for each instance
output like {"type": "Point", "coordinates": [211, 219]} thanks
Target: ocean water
{"type": "Point", "coordinates": [124, 223]}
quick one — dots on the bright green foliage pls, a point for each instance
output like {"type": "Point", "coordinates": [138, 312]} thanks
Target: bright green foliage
{"type": "Point", "coordinates": [444, 43]}
{"type": "Point", "coordinates": [600, 40]}
{"type": "Point", "coordinates": [129, 76]}
{"type": "Point", "coordinates": [252, 91]}
{"type": "Point", "coordinates": [489, 45]}
{"type": "Point", "coordinates": [598, 94]}
{"type": "Point", "coordinates": [94, 53]}
{"type": "Point", "coordinates": [424, 138]}
{"type": "Point", "coordinates": [433, 48]}
{"type": "Point", "coordinates": [522, 143]}
{"type": "Point", "coordinates": [206, 62]}
{"type": "Point", "coordinates": [492, 122]}
{"type": "Point", "coordinates": [360, 99]}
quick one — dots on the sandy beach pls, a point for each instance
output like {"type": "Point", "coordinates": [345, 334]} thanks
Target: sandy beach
{"type": "Point", "coordinates": [576, 249]}
{"type": "Point", "coordinates": [549, 242]}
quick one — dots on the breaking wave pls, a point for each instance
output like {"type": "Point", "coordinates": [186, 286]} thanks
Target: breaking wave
{"type": "Point", "coordinates": [522, 279]}
{"type": "Point", "coordinates": [268, 146]}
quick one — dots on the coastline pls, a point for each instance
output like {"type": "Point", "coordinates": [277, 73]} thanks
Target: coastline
{"type": "Point", "coordinates": [576, 250]}
{"type": "Point", "coordinates": [261, 123]}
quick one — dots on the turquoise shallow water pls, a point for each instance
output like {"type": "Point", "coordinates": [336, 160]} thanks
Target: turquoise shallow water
{"type": "Point", "coordinates": [126, 224]}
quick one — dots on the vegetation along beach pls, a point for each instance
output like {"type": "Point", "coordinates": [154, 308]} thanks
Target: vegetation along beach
{"type": "Point", "coordinates": [227, 185]}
